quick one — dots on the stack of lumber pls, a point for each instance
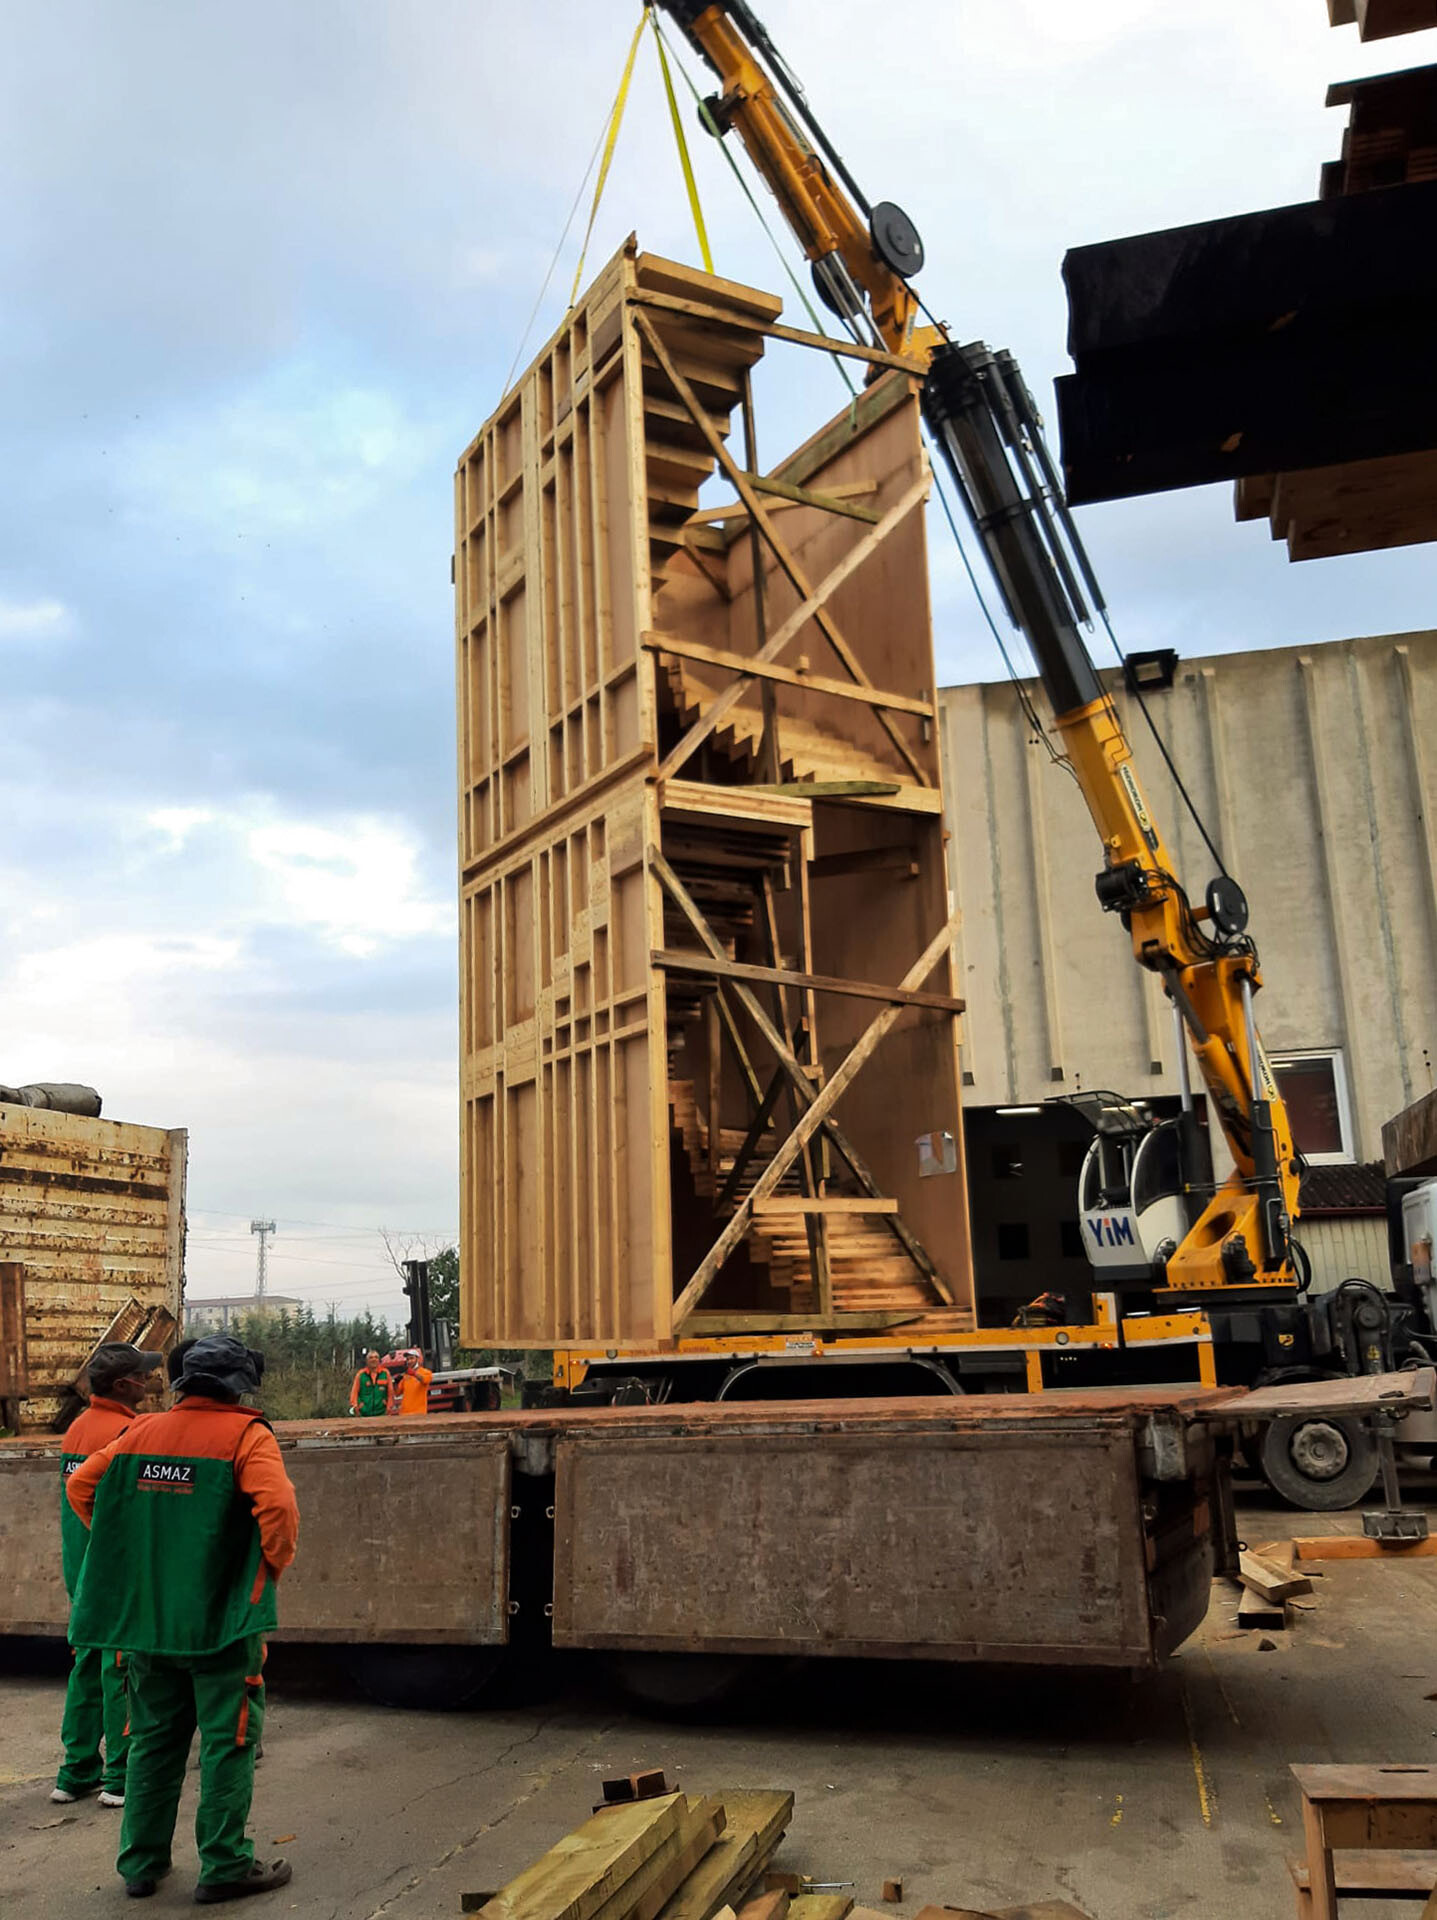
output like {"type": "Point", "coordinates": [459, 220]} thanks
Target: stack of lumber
{"type": "Point", "coordinates": [1391, 135]}
{"type": "Point", "coordinates": [1268, 1578]}
{"type": "Point", "coordinates": [662, 1858]}
{"type": "Point", "coordinates": [668, 1857]}
{"type": "Point", "coordinates": [1359, 506]}
{"type": "Point", "coordinates": [1277, 341]}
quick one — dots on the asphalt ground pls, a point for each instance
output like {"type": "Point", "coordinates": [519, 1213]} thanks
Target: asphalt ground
{"type": "Point", "coordinates": [1159, 1797]}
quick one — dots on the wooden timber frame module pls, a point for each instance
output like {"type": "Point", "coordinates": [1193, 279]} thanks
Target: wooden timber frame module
{"type": "Point", "coordinates": [710, 1076]}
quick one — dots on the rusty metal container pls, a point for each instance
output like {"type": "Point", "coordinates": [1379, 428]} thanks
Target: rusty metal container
{"type": "Point", "coordinates": [1062, 1529]}
{"type": "Point", "coordinates": [92, 1235]}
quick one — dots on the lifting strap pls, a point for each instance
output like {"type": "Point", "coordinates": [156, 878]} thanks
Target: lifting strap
{"type": "Point", "coordinates": [611, 140]}
{"type": "Point", "coordinates": [683, 146]}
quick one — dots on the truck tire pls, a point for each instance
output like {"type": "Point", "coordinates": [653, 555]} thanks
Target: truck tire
{"type": "Point", "coordinates": [681, 1684]}
{"type": "Point", "coordinates": [1318, 1463]}
{"type": "Point", "coordinates": [424, 1679]}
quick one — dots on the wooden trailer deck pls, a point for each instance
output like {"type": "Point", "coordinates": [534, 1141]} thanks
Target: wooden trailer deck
{"type": "Point", "coordinates": [1064, 1528]}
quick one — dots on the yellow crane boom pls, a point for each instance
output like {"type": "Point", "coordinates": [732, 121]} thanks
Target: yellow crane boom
{"type": "Point", "coordinates": [983, 421]}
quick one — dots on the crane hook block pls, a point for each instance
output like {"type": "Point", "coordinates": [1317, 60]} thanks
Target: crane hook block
{"type": "Point", "coordinates": [895, 239]}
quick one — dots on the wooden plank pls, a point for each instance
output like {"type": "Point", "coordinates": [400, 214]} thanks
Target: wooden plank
{"type": "Point", "coordinates": [736, 513]}
{"type": "Point", "coordinates": [648, 1890]}
{"type": "Point", "coordinates": [1374, 1874]}
{"type": "Point", "coordinates": [1364, 1393]}
{"type": "Point", "coordinates": [806, 497]}
{"type": "Point", "coordinates": [1268, 1579]}
{"type": "Point", "coordinates": [755, 1822]}
{"type": "Point", "coordinates": [574, 1879]}
{"type": "Point", "coordinates": [1390, 1780]}
{"type": "Point", "coordinates": [787, 1203]}
{"type": "Point", "coordinates": [796, 336]}
{"type": "Point", "coordinates": [797, 578]}
{"type": "Point", "coordinates": [766, 1906]}
{"type": "Point", "coordinates": [673, 960]}
{"type": "Point", "coordinates": [14, 1362]}
{"type": "Point", "coordinates": [1383, 19]}
{"type": "Point", "coordinates": [703, 1325]}
{"type": "Point", "coordinates": [1357, 1546]}
{"type": "Point", "coordinates": [1254, 1611]}
{"type": "Point", "coordinates": [756, 667]}
{"type": "Point", "coordinates": [838, 1084]}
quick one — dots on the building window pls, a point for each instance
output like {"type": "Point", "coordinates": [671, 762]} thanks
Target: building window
{"type": "Point", "coordinates": [1314, 1086]}
{"type": "Point", "coordinates": [1006, 1160]}
{"type": "Point", "coordinates": [1013, 1240]}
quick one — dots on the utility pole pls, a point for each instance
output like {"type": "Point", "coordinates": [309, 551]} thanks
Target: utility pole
{"type": "Point", "coordinates": [264, 1228]}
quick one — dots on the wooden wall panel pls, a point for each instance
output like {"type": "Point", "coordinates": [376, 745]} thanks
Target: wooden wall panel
{"type": "Point", "coordinates": [604, 1097]}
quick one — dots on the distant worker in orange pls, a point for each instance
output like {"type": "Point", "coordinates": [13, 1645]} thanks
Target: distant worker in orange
{"type": "Point", "coordinates": [414, 1382]}
{"type": "Point", "coordinates": [373, 1389]}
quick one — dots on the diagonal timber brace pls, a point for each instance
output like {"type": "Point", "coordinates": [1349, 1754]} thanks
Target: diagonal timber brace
{"type": "Point", "coordinates": [778, 547]}
{"type": "Point", "coordinates": [800, 1080]}
{"type": "Point", "coordinates": [815, 1118]}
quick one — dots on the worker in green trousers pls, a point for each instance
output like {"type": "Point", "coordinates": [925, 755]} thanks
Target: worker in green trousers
{"type": "Point", "coordinates": [119, 1378]}
{"type": "Point", "coordinates": [192, 1519]}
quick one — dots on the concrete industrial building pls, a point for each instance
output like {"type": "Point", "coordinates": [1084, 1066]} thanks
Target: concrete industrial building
{"type": "Point", "coordinates": [1313, 770]}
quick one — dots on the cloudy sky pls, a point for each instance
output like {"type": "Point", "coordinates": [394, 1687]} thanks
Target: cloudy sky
{"type": "Point", "coordinates": [264, 271]}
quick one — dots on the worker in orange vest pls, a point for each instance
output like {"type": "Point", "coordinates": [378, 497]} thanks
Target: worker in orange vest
{"type": "Point", "coordinates": [373, 1388]}
{"type": "Point", "coordinates": [192, 1519]}
{"type": "Point", "coordinates": [414, 1382]}
{"type": "Point", "coordinates": [119, 1378]}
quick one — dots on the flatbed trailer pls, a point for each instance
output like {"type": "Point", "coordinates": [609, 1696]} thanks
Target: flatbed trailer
{"type": "Point", "coordinates": [1063, 1528]}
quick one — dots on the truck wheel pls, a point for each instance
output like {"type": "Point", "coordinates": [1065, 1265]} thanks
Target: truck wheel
{"type": "Point", "coordinates": [1318, 1463]}
{"type": "Point", "coordinates": [681, 1683]}
{"type": "Point", "coordinates": [424, 1679]}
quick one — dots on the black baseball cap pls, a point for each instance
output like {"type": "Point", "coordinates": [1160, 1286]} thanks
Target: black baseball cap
{"type": "Point", "coordinates": [116, 1360]}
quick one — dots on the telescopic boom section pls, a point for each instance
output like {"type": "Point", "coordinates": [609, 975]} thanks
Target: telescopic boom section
{"type": "Point", "coordinates": [983, 419]}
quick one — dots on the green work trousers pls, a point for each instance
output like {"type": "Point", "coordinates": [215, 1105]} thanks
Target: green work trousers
{"type": "Point", "coordinates": [95, 1709]}
{"type": "Point", "coordinates": [223, 1695]}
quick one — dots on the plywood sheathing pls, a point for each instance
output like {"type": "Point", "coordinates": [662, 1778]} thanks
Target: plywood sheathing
{"type": "Point", "coordinates": [608, 1092]}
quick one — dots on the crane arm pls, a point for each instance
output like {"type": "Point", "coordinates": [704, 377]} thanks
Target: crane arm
{"type": "Point", "coordinates": [983, 420]}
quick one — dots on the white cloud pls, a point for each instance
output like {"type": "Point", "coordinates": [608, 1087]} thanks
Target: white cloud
{"type": "Point", "coordinates": [178, 824]}
{"type": "Point", "coordinates": [29, 621]}
{"type": "Point", "coordinates": [356, 884]}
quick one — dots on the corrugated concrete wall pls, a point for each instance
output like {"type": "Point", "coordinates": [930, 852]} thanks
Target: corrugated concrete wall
{"type": "Point", "coordinates": [1314, 768]}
